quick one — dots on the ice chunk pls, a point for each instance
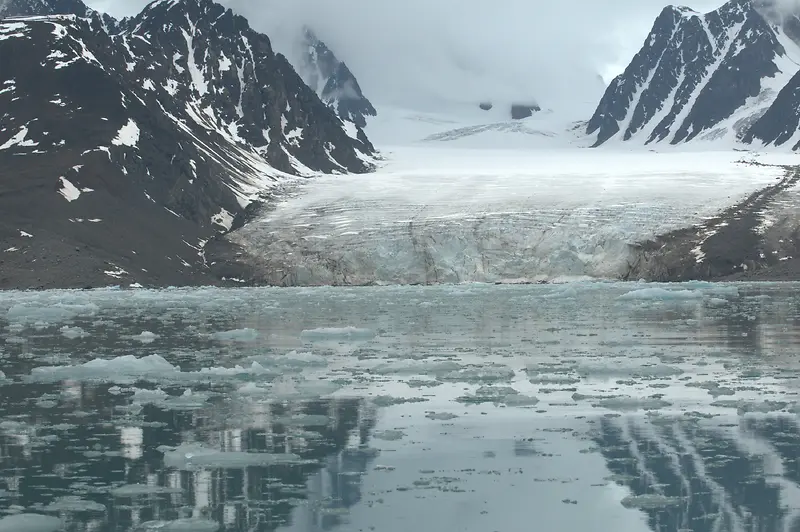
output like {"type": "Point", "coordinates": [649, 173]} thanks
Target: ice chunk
{"type": "Point", "coordinates": [49, 315]}
{"type": "Point", "coordinates": [74, 504]}
{"type": "Point", "coordinates": [179, 525]}
{"type": "Point", "coordinates": [498, 395]}
{"type": "Point", "coordinates": [125, 366]}
{"type": "Point", "coordinates": [135, 490]}
{"type": "Point", "coordinates": [304, 420]}
{"type": "Point", "coordinates": [236, 335]}
{"type": "Point", "coordinates": [188, 401]}
{"type": "Point", "coordinates": [389, 435]}
{"type": "Point", "coordinates": [493, 373]}
{"type": "Point", "coordinates": [661, 294]}
{"type": "Point", "coordinates": [441, 416]}
{"type": "Point", "coordinates": [188, 457]}
{"type": "Point", "coordinates": [73, 332]}
{"type": "Point", "coordinates": [145, 337]}
{"type": "Point", "coordinates": [651, 501]}
{"type": "Point", "coordinates": [128, 369]}
{"type": "Point", "coordinates": [29, 523]}
{"type": "Point", "coordinates": [336, 334]}
{"type": "Point", "coordinates": [632, 403]}
{"type": "Point", "coordinates": [416, 367]}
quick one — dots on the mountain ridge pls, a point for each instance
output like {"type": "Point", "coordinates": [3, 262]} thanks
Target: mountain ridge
{"type": "Point", "coordinates": [136, 144]}
{"type": "Point", "coordinates": [698, 76]}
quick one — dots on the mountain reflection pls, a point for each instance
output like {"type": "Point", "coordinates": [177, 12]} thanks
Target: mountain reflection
{"type": "Point", "coordinates": [101, 468]}
{"type": "Point", "coordinates": [702, 477]}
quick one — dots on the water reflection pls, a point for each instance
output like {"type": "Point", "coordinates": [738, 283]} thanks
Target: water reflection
{"type": "Point", "coordinates": [688, 474]}
{"type": "Point", "coordinates": [97, 460]}
{"type": "Point", "coordinates": [483, 404]}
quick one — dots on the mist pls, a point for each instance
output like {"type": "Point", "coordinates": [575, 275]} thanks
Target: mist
{"type": "Point", "coordinates": [430, 55]}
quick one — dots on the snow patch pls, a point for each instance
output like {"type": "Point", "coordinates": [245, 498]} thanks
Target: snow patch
{"type": "Point", "coordinates": [68, 190]}
{"type": "Point", "coordinates": [128, 135]}
{"type": "Point", "coordinates": [223, 218]}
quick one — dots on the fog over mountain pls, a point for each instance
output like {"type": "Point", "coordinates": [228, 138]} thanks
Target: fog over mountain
{"type": "Point", "coordinates": [428, 55]}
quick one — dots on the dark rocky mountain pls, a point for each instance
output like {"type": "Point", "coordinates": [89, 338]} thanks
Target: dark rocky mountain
{"type": "Point", "coordinates": [125, 149]}
{"type": "Point", "coordinates": [780, 125]}
{"type": "Point", "coordinates": [333, 81]}
{"type": "Point", "coordinates": [26, 8]}
{"type": "Point", "coordinates": [701, 76]}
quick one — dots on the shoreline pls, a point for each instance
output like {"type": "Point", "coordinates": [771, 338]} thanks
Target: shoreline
{"type": "Point", "coordinates": [735, 245]}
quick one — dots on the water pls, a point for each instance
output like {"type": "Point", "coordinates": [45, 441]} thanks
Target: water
{"type": "Point", "coordinates": [576, 407]}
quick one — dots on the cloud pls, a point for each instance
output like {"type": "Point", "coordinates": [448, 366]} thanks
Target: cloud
{"type": "Point", "coordinates": [427, 54]}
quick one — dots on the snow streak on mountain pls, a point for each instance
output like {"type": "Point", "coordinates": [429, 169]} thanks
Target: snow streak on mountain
{"type": "Point", "coordinates": [701, 76]}
{"type": "Point", "coordinates": [162, 128]}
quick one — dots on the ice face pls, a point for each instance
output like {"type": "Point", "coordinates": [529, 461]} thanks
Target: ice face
{"type": "Point", "coordinates": [450, 216]}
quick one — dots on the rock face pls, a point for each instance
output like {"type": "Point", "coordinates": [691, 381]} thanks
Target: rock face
{"type": "Point", "coordinates": [700, 76]}
{"type": "Point", "coordinates": [780, 125]}
{"type": "Point", "coordinates": [333, 81]}
{"type": "Point", "coordinates": [124, 148]}
{"type": "Point", "coordinates": [520, 111]}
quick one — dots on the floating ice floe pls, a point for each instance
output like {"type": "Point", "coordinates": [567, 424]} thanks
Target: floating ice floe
{"type": "Point", "coordinates": [29, 523]}
{"type": "Point", "coordinates": [136, 490]}
{"type": "Point", "coordinates": [73, 332]}
{"type": "Point", "coordinates": [189, 457]}
{"type": "Point", "coordinates": [49, 315]}
{"type": "Point", "coordinates": [154, 368]}
{"type": "Point", "coordinates": [236, 335]}
{"type": "Point", "coordinates": [189, 400]}
{"type": "Point", "coordinates": [336, 334]}
{"type": "Point", "coordinates": [499, 395]}
{"type": "Point", "coordinates": [661, 294]}
{"type": "Point", "coordinates": [651, 501]}
{"type": "Point", "coordinates": [179, 525]}
{"type": "Point", "coordinates": [145, 337]}
{"type": "Point", "coordinates": [291, 389]}
{"type": "Point", "coordinates": [74, 504]}
{"type": "Point", "coordinates": [627, 404]}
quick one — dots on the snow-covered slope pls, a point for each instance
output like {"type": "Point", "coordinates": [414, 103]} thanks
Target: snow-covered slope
{"type": "Point", "coordinates": [699, 76]}
{"type": "Point", "coordinates": [145, 139]}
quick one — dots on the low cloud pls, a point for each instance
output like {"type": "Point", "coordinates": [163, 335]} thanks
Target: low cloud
{"type": "Point", "coordinates": [429, 54]}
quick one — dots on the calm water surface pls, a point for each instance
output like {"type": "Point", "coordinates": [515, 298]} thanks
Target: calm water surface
{"type": "Point", "coordinates": [596, 407]}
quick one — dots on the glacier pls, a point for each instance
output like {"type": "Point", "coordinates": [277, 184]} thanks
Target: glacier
{"type": "Point", "coordinates": [452, 214]}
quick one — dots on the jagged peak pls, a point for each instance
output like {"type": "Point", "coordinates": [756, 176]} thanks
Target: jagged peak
{"type": "Point", "coordinates": [184, 13]}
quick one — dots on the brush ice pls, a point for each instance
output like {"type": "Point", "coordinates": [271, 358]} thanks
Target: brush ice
{"type": "Point", "coordinates": [437, 215]}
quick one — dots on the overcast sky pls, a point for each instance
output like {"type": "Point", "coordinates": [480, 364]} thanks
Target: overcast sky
{"type": "Point", "coordinates": [422, 53]}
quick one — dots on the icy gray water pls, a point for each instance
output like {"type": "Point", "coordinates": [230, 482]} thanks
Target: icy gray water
{"type": "Point", "coordinates": [619, 407]}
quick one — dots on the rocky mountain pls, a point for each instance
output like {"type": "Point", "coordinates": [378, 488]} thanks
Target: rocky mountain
{"type": "Point", "coordinates": [125, 148]}
{"type": "Point", "coordinates": [333, 81]}
{"type": "Point", "coordinates": [705, 76]}
{"type": "Point", "coordinates": [19, 8]}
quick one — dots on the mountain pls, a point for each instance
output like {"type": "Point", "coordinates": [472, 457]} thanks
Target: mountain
{"type": "Point", "coordinates": [124, 149]}
{"type": "Point", "coordinates": [24, 8]}
{"type": "Point", "coordinates": [333, 81]}
{"type": "Point", "coordinates": [706, 76]}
